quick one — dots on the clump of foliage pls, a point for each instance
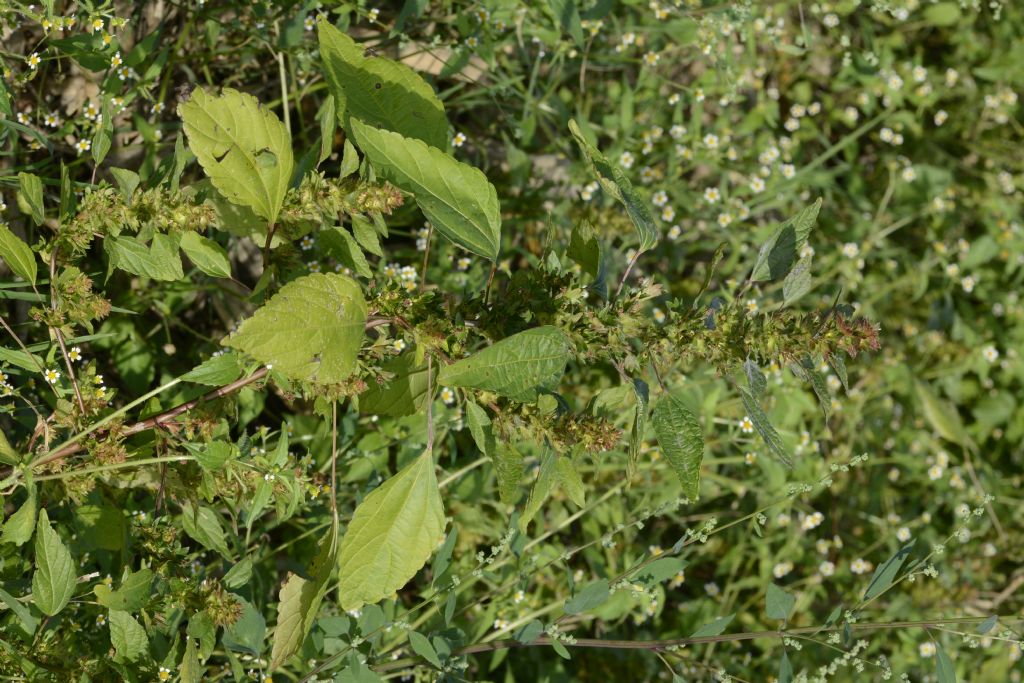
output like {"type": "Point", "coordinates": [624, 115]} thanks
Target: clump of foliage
{"type": "Point", "coordinates": [505, 341]}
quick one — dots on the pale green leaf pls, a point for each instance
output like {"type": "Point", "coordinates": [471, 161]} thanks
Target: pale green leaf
{"type": "Point", "coordinates": [311, 330]}
{"type": "Point", "coordinates": [379, 91]}
{"type": "Point", "coordinates": [592, 595]}
{"type": "Point", "coordinates": [349, 160]}
{"type": "Point", "coordinates": [190, 670]}
{"type": "Point", "coordinates": [127, 636]}
{"type": "Point", "coordinates": [338, 243]}
{"type": "Point", "coordinates": [17, 255]}
{"type": "Point", "coordinates": [943, 417]}
{"type": "Point", "coordinates": [455, 197]}
{"type": "Point", "coordinates": [53, 582]}
{"type": "Point", "coordinates": [509, 466]}
{"type": "Point", "coordinates": [133, 594]}
{"type": "Point", "coordinates": [403, 394]}
{"type": "Point", "coordinates": [782, 249]}
{"type": "Point", "coordinates": [242, 146]}
{"type": "Point", "coordinates": [885, 574]}
{"type": "Point", "coordinates": [797, 282]}
{"type": "Point", "coordinates": [615, 183]}
{"type": "Point", "coordinates": [159, 261]}
{"type": "Point", "coordinates": [19, 526]}
{"type": "Point", "coordinates": [944, 668]}
{"type": "Point", "coordinates": [715, 628]}
{"type": "Point", "coordinates": [785, 669]}
{"type": "Point", "coordinates": [518, 367]}
{"type": "Point", "coordinates": [547, 477]}
{"type": "Point", "coordinates": [585, 249]}
{"type": "Point", "coordinates": [480, 428]}
{"type": "Point", "coordinates": [569, 480]}
{"type": "Point", "coordinates": [239, 575]}
{"type": "Point", "coordinates": [213, 456]}
{"type": "Point", "coordinates": [423, 648]}
{"type": "Point", "coordinates": [392, 534]}
{"type": "Point", "coordinates": [328, 118]}
{"type": "Point", "coordinates": [366, 235]}
{"type": "Point", "coordinates": [778, 603]}
{"type": "Point", "coordinates": [217, 371]}
{"type": "Point", "coordinates": [764, 428]}
{"type": "Point", "coordinates": [30, 197]}
{"type": "Point", "coordinates": [681, 439]}
{"type": "Point", "coordinates": [207, 255]}
{"type": "Point", "coordinates": [203, 525]}
{"type": "Point", "coordinates": [300, 601]}
{"type": "Point", "coordinates": [942, 13]}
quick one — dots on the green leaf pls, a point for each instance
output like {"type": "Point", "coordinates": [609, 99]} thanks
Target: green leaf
{"type": "Point", "coordinates": [103, 136]}
{"type": "Point", "coordinates": [807, 370]}
{"type": "Point", "coordinates": [781, 249]}
{"type": "Point", "coordinates": [509, 466]}
{"type": "Point", "coordinates": [403, 394]}
{"type": "Point", "coordinates": [756, 380]}
{"type": "Point", "coordinates": [944, 669]}
{"type": "Point", "coordinates": [943, 417]}
{"type": "Point", "coordinates": [778, 603]}
{"type": "Point", "coordinates": [328, 118]}
{"type": "Point", "coordinates": [546, 479]}
{"type": "Point", "coordinates": [680, 437]}
{"type": "Point", "coordinates": [886, 572]}
{"type": "Point", "coordinates": [592, 595]}
{"type": "Point", "coordinates": [443, 559]}
{"type": "Point", "coordinates": [28, 622]}
{"type": "Point", "coordinates": [987, 625]}
{"type": "Point", "coordinates": [715, 628]}
{"type": "Point", "coordinates": [797, 282]}
{"type": "Point", "coordinates": [764, 428]}
{"type": "Point", "coordinates": [127, 181]}
{"type": "Point", "coordinates": [191, 671]}
{"type": "Point", "coordinates": [839, 367]}
{"type": "Point", "coordinates": [662, 569]}
{"type": "Point", "coordinates": [615, 183]}
{"type": "Point", "coordinates": [53, 582]}
{"type": "Point", "coordinates": [9, 456]}
{"type": "Point", "coordinates": [349, 160]}
{"type": "Point", "coordinates": [529, 631]}
{"type": "Point", "coordinates": [239, 575]}
{"type": "Point", "coordinates": [242, 146]}
{"type": "Point", "coordinates": [366, 235]}
{"type": "Point", "coordinates": [127, 636]}
{"type": "Point", "coordinates": [569, 480]}
{"type": "Point", "coordinates": [30, 197]}
{"type": "Point", "coordinates": [133, 594]}
{"type": "Point", "coordinates": [18, 255]}
{"type": "Point", "coordinates": [455, 197]}
{"type": "Point", "coordinates": [300, 601]}
{"type": "Point", "coordinates": [338, 243]}
{"type": "Point", "coordinates": [203, 525]}
{"type": "Point", "coordinates": [217, 371]}
{"type": "Point", "coordinates": [942, 14]}
{"type": "Point", "coordinates": [100, 526]}
{"type": "Point", "coordinates": [310, 331]}
{"type": "Point", "coordinates": [423, 648]}
{"type": "Point", "coordinates": [785, 669]}
{"type": "Point", "coordinates": [215, 455]}
{"type": "Point", "coordinates": [19, 526]}
{"type": "Point", "coordinates": [585, 249]}
{"type": "Point", "coordinates": [207, 255]}
{"type": "Point", "coordinates": [518, 367]}
{"type": "Point", "coordinates": [246, 634]}
{"type": "Point", "coordinates": [480, 428]}
{"type": "Point", "coordinates": [379, 91]}
{"type": "Point", "coordinates": [392, 534]}
{"type": "Point", "coordinates": [159, 261]}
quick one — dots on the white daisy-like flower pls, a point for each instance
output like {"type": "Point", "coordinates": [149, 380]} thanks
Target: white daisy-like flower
{"type": "Point", "coordinates": [51, 376]}
{"type": "Point", "coordinates": [746, 425]}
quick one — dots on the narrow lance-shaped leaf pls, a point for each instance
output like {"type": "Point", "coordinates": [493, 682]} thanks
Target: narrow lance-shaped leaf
{"type": "Point", "coordinates": [680, 437]}
{"type": "Point", "coordinates": [311, 330]}
{"type": "Point", "coordinates": [392, 534]}
{"type": "Point", "coordinates": [379, 91]}
{"type": "Point", "coordinates": [764, 428]}
{"type": "Point", "coordinates": [616, 184]}
{"type": "Point", "coordinates": [517, 367]}
{"type": "Point", "coordinates": [455, 197]}
{"type": "Point", "coordinates": [30, 196]}
{"type": "Point", "coordinates": [242, 146]}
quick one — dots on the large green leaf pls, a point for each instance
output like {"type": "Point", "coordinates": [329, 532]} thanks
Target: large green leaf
{"type": "Point", "coordinates": [206, 255]}
{"type": "Point", "coordinates": [133, 594]}
{"type": "Point", "coordinates": [311, 330]}
{"type": "Point", "coordinates": [392, 534]}
{"type": "Point", "coordinates": [615, 183]}
{"type": "Point", "coordinates": [203, 525]}
{"type": "Point", "coordinates": [455, 197]}
{"type": "Point", "coordinates": [159, 261]}
{"type": "Point", "coordinates": [17, 255]}
{"type": "Point", "coordinates": [243, 147]}
{"type": "Point", "coordinates": [53, 582]}
{"type": "Point", "coordinates": [19, 526]}
{"type": "Point", "coordinates": [782, 249]}
{"type": "Point", "coordinates": [778, 604]}
{"type": "Point", "coordinates": [127, 636]}
{"type": "Point", "coordinates": [300, 601]}
{"type": "Point", "coordinates": [679, 434]}
{"type": "Point", "coordinates": [518, 367]}
{"type": "Point", "coordinates": [509, 466]}
{"type": "Point", "coordinates": [30, 196]}
{"type": "Point", "coordinates": [379, 91]}
{"type": "Point", "coordinates": [403, 394]}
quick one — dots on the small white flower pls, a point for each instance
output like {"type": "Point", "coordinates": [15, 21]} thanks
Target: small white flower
{"type": "Point", "coordinates": [860, 566]}
{"type": "Point", "coordinates": [991, 353]}
{"type": "Point", "coordinates": [926, 649]}
{"type": "Point", "coordinates": [459, 140]}
{"type": "Point", "coordinates": [827, 568]}
{"type": "Point", "coordinates": [75, 354]}
{"type": "Point", "coordinates": [851, 250]}
{"type": "Point", "coordinates": [711, 141]}
{"type": "Point", "coordinates": [51, 376]}
{"type": "Point", "coordinates": [746, 425]}
{"type": "Point", "coordinates": [712, 195]}
{"type": "Point", "coordinates": [903, 534]}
